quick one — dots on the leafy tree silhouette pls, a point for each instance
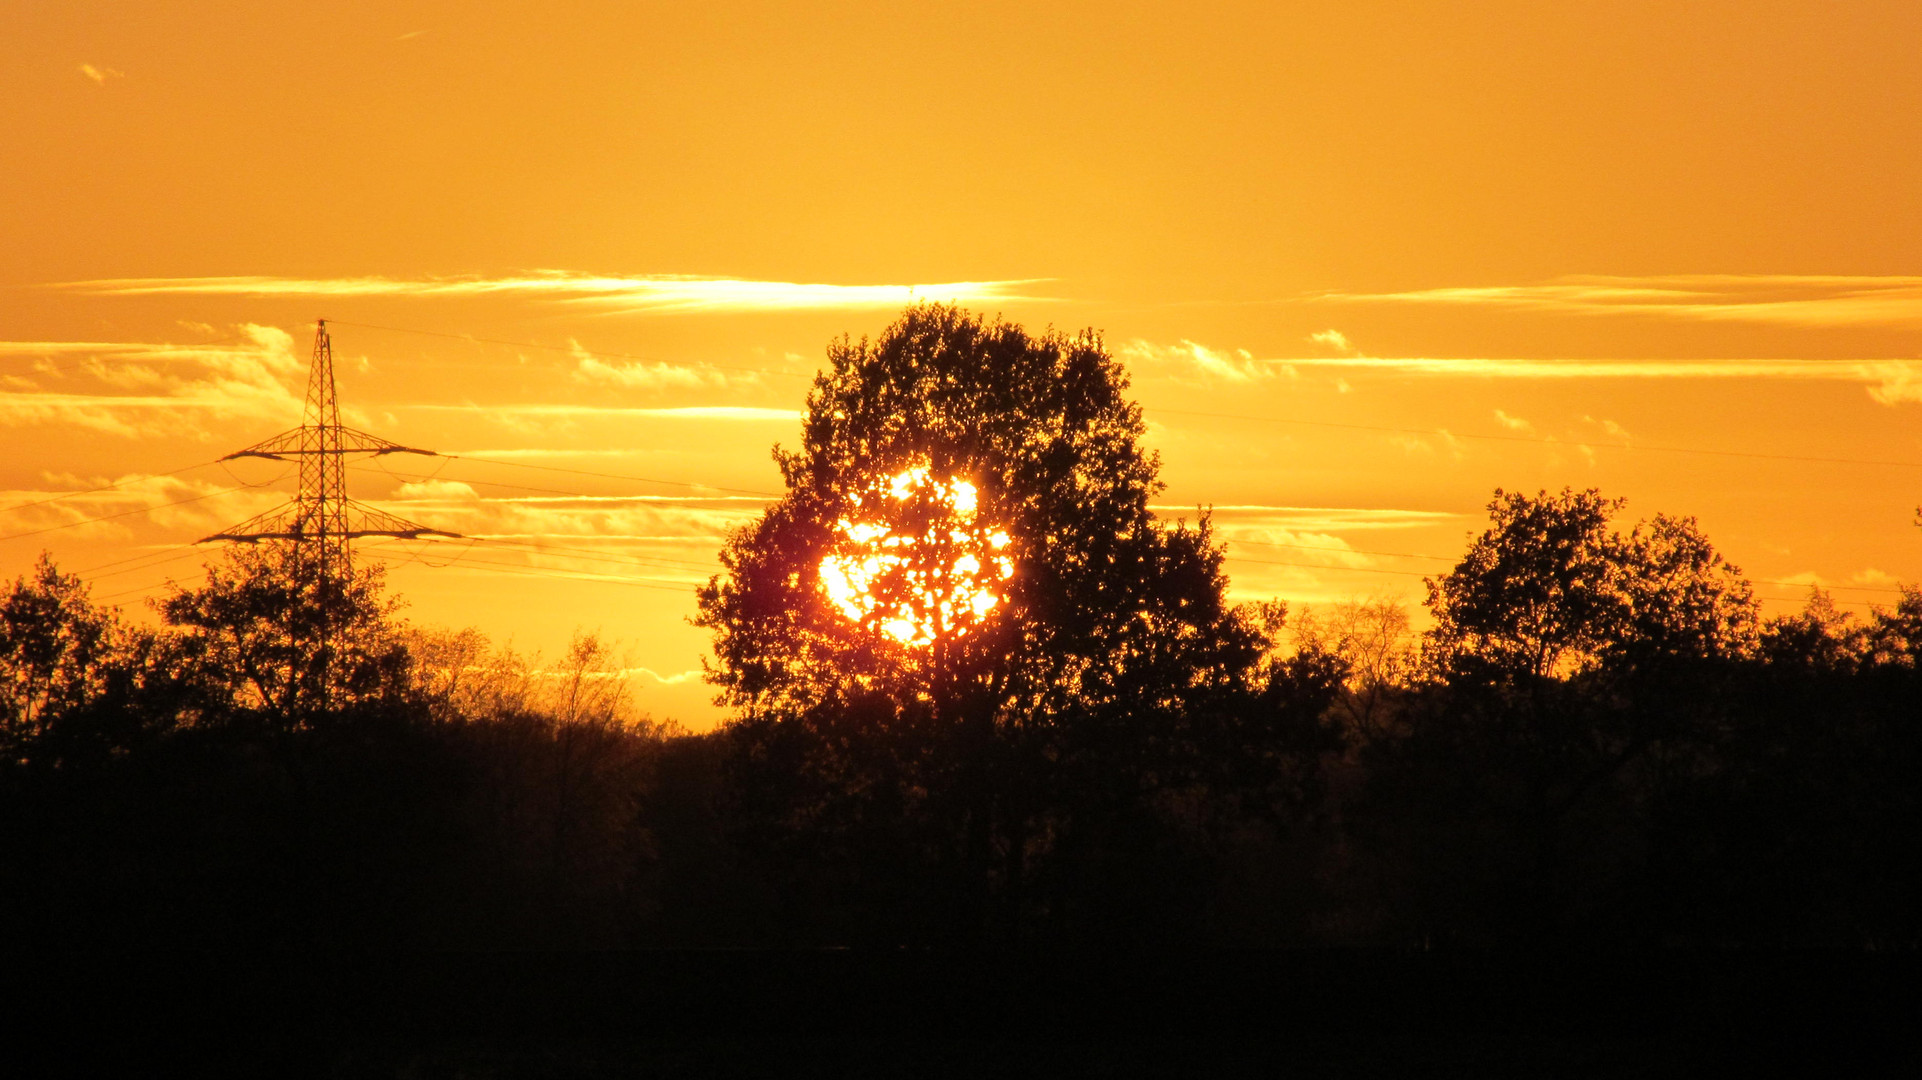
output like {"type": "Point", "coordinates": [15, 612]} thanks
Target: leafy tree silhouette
{"type": "Point", "coordinates": [1575, 675]}
{"type": "Point", "coordinates": [272, 633]}
{"type": "Point", "coordinates": [1534, 594]}
{"type": "Point", "coordinates": [972, 761]}
{"type": "Point", "coordinates": [54, 644]}
{"type": "Point", "coordinates": [1549, 590]}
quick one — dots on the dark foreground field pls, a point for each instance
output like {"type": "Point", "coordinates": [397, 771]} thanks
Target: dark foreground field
{"type": "Point", "coordinates": [753, 1013]}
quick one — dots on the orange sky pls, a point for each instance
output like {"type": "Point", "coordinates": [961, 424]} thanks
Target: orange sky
{"type": "Point", "coordinates": [1655, 225]}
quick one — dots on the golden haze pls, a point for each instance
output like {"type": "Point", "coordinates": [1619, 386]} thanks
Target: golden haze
{"type": "Point", "coordinates": [1365, 262]}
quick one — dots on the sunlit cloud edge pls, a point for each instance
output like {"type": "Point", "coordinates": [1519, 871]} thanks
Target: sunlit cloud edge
{"type": "Point", "coordinates": [1808, 300]}
{"type": "Point", "coordinates": [642, 293]}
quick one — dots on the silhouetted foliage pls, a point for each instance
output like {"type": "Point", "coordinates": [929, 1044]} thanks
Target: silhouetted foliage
{"type": "Point", "coordinates": [273, 633]}
{"type": "Point", "coordinates": [996, 772]}
{"type": "Point", "coordinates": [1606, 744]}
{"type": "Point", "coordinates": [54, 645]}
{"type": "Point", "coordinates": [1550, 591]}
{"type": "Point", "coordinates": [1597, 740]}
{"type": "Point", "coordinates": [192, 785]}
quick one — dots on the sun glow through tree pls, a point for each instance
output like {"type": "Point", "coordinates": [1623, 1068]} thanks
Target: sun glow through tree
{"type": "Point", "coordinates": [914, 561]}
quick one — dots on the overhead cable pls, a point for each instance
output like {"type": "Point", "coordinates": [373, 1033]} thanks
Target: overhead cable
{"type": "Point", "coordinates": [106, 487]}
{"type": "Point", "coordinates": [127, 513]}
{"type": "Point", "coordinates": [571, 350]}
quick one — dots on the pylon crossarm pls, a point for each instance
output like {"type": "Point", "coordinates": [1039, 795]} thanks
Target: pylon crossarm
{"type": "Point", "coordinates": [287, 521]}
{"type": "Point", "coordinates": [287, 442]}
{"type": "Point", "coordinates": [296, 443]}
{"type": "Point", "coordinates": [364, 520]}
{"type": "Point", "coordinates": [297, 521]}
{"type": "Point", "coordinates": [359, 442]}
{"type": "Point", "coordinates": [402, 534]}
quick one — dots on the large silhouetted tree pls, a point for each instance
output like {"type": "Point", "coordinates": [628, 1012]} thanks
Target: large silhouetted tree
{"type": "Point", "coordinates": [996, 741]}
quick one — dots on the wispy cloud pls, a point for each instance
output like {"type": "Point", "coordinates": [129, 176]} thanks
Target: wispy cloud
{"type": "Point", "coordinates": [1193, 362]}
{"type": "Point", "coordinates": [100, 75]}
{"type": "Point", "coordinates": [646, 375]}
{"type": "Point", "coordinates": [173, 387]}
{"type": "Point", "coordinates": [1336, 340]}
{"type": "Point", "coordinates": [1814, 300]}
{"type": "Point", "coordinates": [173, 504]}
{"type": "Point", "coordinates": [689, 412]}
{"type": "Point", "coordinates": [1896, 381]}
{"type": "Point", "coordinates": [438, 491]}
{"type": "Point", "coordinates": [1858, 371]}
{"type": "Point", "coordinates": [604, 528]}
{"type": "Point", "coordinates": [1514, 423]}
{"type": "Point", "coordinates": [1609, 426]}
{"type": "Point", "coordinates": [1251, 520]}
{"type": "Point", "coordinates": [555, 451]}
{"type": "Point", "coordinates": [692, 675]}
{"type": "Point", "coordinates": [644, 293]}
{"type": "Point", "coordinates": [1888, 381]}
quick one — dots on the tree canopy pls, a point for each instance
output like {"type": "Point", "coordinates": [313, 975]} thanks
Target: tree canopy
{"type": "Point", "coordinates": [54, 644]}
{"type": "Point", "coordinates": [1550, 590]}
{"type": "Point", "coordinates": [275, 633]}
{"type": "Point", "coordinates": [1041, 431]}
{"type": "Point", "coordinates": [1105, 662]}
{"type": "Point", "coordinates": [1595, 743]}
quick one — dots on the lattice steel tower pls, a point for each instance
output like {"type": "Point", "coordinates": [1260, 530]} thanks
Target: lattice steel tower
{"type": "Point", "coordinates": [321, 522]}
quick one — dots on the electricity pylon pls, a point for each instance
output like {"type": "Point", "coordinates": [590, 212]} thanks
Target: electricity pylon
{"type": "Point", "coordinates": [321, 522]}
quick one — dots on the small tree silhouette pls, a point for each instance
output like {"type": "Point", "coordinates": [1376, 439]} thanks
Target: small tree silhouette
{"type": "Point", "coordinates": [1549, 590]}
{"type": "Point", "coordinates": [53, 645]}
{"type": "Point", "coordinates": [271, 633]}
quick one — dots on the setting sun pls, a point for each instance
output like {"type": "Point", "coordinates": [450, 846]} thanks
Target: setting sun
{"type": "Point", "coordinates": [915, 561]}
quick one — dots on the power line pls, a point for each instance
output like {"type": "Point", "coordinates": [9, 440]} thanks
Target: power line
{"type": "Point", "coordinates": [1354, 551]}
{"type": "Point", "coordinates": [106, 487]}
{"type": "Point", "coordinates": [128, 513]}
{"type": "Point", "coordinates": [587, 553]}
{"type": "Point", "coordinates": [1539, 439]}
{"type": "Point", "coordinates": [1456, 559]}
{"type": "Point", "coordinates": [132, 591]}
{"type": "Point", "coordinates": [600, 556]}
{"type": "Point", "coordinates": [642, 561]}
{"type": "Point", "coordinates": [131, 558]}
{"type": "Point", "coordinates": [571, 350]}
{"type": "Point", "coordinates": [170, 554]}
{"type": "Point", "coordinates": [509, 540]}
{"type": "Point", "coordinates": [1236, 558]}
{"type": "Point", "coordinates": [1324, 566]}
{"type": "Point", "coordinates": [613, 476]}
{"type": "Point", "coordinates": [419, 553]}
{"type": "Point", "coordinates": [1824, 588]}
{"type": "Point", "coordinates": [422, 478]}
{"type": "Point", "coordinates": [499, 567]}
{"type": "Point", "coordinates": [578, 554]}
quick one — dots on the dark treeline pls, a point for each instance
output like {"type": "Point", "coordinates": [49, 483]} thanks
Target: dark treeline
{"type": "Point", "coordinates": [1520, 773]}
{"type": "Point", "coordinates": [1598, 741]}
